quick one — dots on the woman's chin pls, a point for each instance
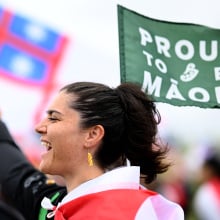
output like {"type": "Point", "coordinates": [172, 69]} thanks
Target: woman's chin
{"type": "Point", "coordinates": [44, 168]}
{"type": "Point", "coordinates": [47, 168]}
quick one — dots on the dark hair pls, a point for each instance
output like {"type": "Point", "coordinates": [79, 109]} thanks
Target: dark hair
{"type": "Point", "coordinates": [130, 120]}
{"type": "Point", "coordinates": [213, 162]}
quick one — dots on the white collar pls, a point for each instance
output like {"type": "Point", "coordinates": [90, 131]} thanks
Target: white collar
{"type": "Point", "coordinates": [119, 178]}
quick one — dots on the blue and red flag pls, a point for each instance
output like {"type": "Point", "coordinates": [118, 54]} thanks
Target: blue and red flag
{"type": "Point", "coordinates": [29, 50]}
{"type": "Point", "coordinates": [30, 53]}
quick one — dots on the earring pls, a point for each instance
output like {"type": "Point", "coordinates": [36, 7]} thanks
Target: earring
{"type": "Point", "coordinates": [90, 160]}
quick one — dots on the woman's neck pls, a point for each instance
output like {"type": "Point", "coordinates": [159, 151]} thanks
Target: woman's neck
{"type": "Point", "coordinates": [73, 181]}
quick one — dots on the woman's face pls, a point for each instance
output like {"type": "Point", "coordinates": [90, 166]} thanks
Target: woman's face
{"type": "Point", "coordinates": [63, 139]}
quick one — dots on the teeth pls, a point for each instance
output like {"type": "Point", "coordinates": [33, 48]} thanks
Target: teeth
{"type": "Point", "coordinates": [46, 144]}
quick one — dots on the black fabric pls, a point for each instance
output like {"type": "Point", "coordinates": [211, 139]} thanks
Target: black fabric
{"type": "Point", "coordinates": [22, 184]}
{"type": "Point", "coordinates": [9, 213]}
{"type": "Point", "coordinates": [4, 133]}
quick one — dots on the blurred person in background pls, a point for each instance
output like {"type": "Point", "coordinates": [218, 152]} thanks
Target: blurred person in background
{"type": "Point", "coordinates": [7, 212]}
{"type": "Point", "coordinates": [206, 202]}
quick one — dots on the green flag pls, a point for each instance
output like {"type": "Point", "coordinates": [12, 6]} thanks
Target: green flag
{"type": "Point", "coordinates": [176, 63]}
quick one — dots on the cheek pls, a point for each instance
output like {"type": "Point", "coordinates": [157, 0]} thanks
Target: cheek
{"type": "Point", "coordinates": [68, 141]}
{"type": "Point", "coordinates": [68, 146]}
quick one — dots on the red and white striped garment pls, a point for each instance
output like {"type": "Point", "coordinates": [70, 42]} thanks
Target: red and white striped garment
{"type": "Point", "coordinates": [116, 195]}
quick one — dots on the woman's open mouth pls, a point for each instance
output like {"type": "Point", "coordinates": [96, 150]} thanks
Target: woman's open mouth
{"type": "Point", "coordinates": [47, 145]}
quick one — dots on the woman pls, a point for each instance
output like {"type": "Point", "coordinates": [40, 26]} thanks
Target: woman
{"type": "Point", "coordinates": [100, 140]}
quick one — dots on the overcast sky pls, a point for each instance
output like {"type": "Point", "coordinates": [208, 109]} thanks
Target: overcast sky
{"type": "Point", "coordinates": [92, 54]}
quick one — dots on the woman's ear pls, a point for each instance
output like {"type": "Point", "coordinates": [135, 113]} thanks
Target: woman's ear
{"type": "Point", "coordinates": [95, 135]}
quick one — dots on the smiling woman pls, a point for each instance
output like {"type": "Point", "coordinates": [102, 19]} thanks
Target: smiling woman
{"type": "Point", "coordinates": [101, 141]}
{"type": "Point", "coordinates": [63, 137]}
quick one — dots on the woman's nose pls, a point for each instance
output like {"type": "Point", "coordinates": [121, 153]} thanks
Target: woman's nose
{"type": "Point", "coordinates": [40, 128]}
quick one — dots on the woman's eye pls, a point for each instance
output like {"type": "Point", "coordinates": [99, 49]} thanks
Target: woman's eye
{"type": "Point", "coordinates": [52, 119]}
